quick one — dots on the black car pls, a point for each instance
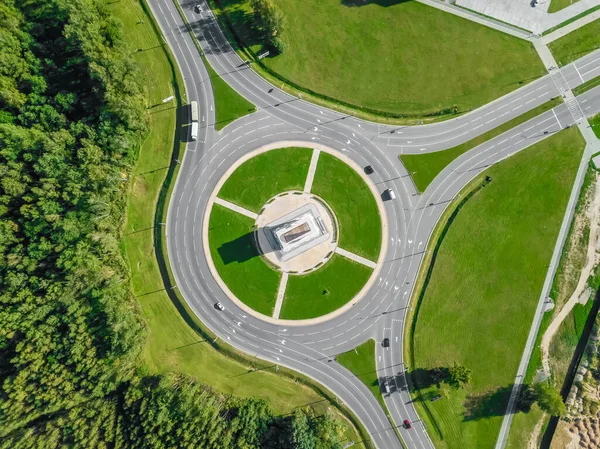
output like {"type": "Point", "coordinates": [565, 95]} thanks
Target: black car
{"type": "Point", "coordinates": [198, 9]}
{"type": "Point", "coordinates": [386, 343]}
{"type": "Point", "coordinates": [369, 170]}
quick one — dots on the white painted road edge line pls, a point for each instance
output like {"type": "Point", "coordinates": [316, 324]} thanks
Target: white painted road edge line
{"type": "Point", "coordinates": [236, 208]}
{"type": "Point", "coordinates": [355, 258]}
{"type": "Point", "coordinates": [280, 295]}
{"type": "Point", "coordinates": [312, 170]}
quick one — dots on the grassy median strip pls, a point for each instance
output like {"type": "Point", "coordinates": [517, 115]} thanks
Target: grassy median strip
{"type": "Point", "coordinates": [479, 299]}
{"type": "Point", "coordinates": [177, 341]}
{"type": "Point", "coordinates": [328, 54]}
{"type": "Point", "coordinates": [353, 203]}
{"type": "Point", "coordinates": [238, 261]}
{"type": "Point", "coordinates": [425, 167]}
{"type": "Point", "coordinates": [259, 179]}
{"type": "Point", "coordinates": [229, 105]}
{"type": "Point", "coordinates": [589, 84]}
{"type": "Point", "coordinates": [325, 290]}
{"type": "Point", "coordinates": [361, 362]}
{"type": "Point", "coordinates": [576, 44]}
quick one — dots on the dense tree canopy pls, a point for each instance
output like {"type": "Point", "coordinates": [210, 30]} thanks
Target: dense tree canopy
{"type": "Point", "coordinates": [72, 116]}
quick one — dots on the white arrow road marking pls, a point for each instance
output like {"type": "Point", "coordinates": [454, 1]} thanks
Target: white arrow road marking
{"type": "Point", "coordinates": [348, 142]}
{"type": "Point", "coordinates": [315, 129]}
{"type": "Point", "coordinates": [410, 242]}
{"type": "Point", "coordinates": [396, 287]}
{"type": "Point", "coordinates": [282, 342]}
{"type": "Point", "coordinates": [239, 323]}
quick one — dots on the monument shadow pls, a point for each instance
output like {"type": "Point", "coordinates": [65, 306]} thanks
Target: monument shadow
{"type": "Point", "coordinates": [240, 250]}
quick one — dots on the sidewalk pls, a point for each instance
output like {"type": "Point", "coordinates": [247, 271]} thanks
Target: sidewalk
{"type": "Point", "coordinates": [592, 146]}
{"type": "Point", "coordinates": [535, 19]}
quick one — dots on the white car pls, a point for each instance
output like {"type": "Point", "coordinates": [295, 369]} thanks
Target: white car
{"type": "Point", "coordinates": [198, 9]}
{"type": "Point", "coordinates": [219, 306]}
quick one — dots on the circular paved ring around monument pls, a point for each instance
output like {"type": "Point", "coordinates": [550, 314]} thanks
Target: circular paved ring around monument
{"type": "Point", "coordinates": [214, 199]}
{"type": "Point", "coordinates": [316, 238]}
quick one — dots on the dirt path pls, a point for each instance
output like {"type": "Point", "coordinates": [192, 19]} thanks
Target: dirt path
{"type": "Point", "coordinates": [535, 435]}
{"type": "Point", "coordinates": [591, 259]}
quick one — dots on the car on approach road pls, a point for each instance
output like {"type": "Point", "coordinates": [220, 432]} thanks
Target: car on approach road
{"type": "Point", "coordinates": [407, 424]}
{"type": "Point", "coordinates": [385, 343]}
{"type": "Point", "coordinates": [198, 9]}
{"type": "Point", "coordinates": [369, 170]}
{"type": "Point", "coordinates": [219, 306]}
{"type": "Point", "coordinates": [388, 194]}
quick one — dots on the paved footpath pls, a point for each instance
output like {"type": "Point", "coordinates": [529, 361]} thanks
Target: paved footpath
{"type": "Point", "coordinates": [570, 27]}
{"type": "Point", "coordinates": [355, 257]}
{"type": "Point", "coordinates": [592, 146]}
{"type": "Point", "coordinates": [312, 170]}
{"type": "Point", "coordinates": [520, 13]}
{"type": "Point", "coordinates": [280, 294]}
{"type": "Point", "coordinates": [236, 208]}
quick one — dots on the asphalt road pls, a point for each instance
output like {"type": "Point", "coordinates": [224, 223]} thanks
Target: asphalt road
{"type": "Point", "coordinates": [412, 217]}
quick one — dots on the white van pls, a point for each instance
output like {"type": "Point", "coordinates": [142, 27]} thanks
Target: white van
{"type": "Point", "coordinates": [194, 133]}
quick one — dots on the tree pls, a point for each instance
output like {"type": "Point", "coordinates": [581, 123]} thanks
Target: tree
{"type": "Point", "coordinates": [459, 375]}
{"type": "Point", "coordinates": [549, 399]}
{"type": "Point", "coordinates": [270, 22]}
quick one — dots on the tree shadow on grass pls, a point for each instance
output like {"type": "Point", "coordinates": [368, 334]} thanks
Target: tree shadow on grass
{"type": "Point", "coordinates": [487, 405]}
{"type": "Point", "coordinates": [422, 378]}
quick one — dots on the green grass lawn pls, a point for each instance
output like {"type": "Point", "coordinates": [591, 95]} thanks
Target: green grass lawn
{"type": "Point", "coordinates": [238, 261]}
{"type": "Point", "coordinates": [425, 167]}
{"type": "Point", "coordinates": [413, 61]}
{"type": "Point", "coordinates": [325, 290]}
{"type": "Point", "coordinates": [361, 362]}
{"type": "Point", "coordinates": [557, 5]}
{"type": "Point", "coordinates": [353, 203]}
{"type": "Point", "coordinates": [485, 284]}
{"type": "Point", "coordinates": [259, 179]}
{"type": "Point", "coordinates": [576, 44]}
{"type": "Point", "coordinates": [595, 123]}
{"type": "Point", "coordinates": [229, 105]}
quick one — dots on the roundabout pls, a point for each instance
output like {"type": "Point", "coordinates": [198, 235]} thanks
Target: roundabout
{"type": "Point", "coordinates": [281, 235]}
